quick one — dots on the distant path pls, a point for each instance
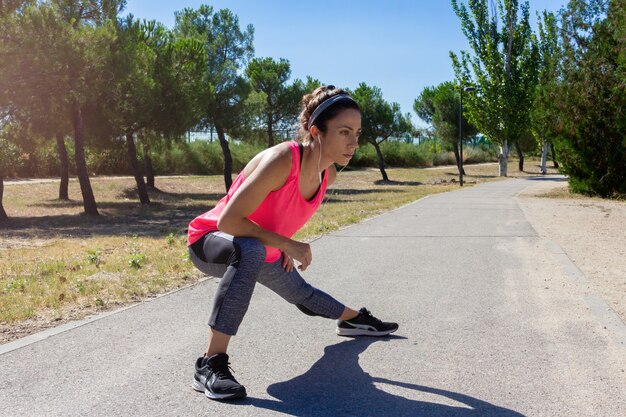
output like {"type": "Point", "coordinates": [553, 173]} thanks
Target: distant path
{"type": "Point", "coordinates": [466, 165]}
{"type": "Point", "coordinates": [495, 320]}
{"type": "Point", "coordinates": [103, 177]}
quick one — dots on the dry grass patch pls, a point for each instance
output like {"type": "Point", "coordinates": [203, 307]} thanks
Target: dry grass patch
{"type": "Point", "coordinates": [564, 193]}
{"type": "Point", "coordinates": [89, 274]}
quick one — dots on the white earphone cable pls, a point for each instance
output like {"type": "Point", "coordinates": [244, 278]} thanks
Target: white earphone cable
{"type": "Point", "coordinates": [319, 160]}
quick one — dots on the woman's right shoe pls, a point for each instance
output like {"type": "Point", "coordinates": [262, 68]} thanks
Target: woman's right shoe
{"type": "Point", "coordinates": [365, 324]}
{"type": "Point", "coordinates": [213, 377]}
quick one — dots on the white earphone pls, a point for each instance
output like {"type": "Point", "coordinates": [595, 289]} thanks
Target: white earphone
{"type": "Point", "coordinates": [320, 157]}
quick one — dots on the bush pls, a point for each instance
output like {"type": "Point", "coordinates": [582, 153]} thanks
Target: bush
{"type": "Point", "coordinates": [39, 160]}
{"type": "Point", "coordinates": [444, 158]}
{"type": "Point", "coordinates": [109, 161]}
{"type": "Point", "coordinates": [480, 153]}
{"type": "Point", "coordinates": [201, 158]}
{"type": "Point", "coordinates": [400, 154]}
{"type": "Point", "coordinates": [181, 158]}
{"type": "Point", "coordinates": [395, 154]}
{"type": "Point", "coordinates": [42, 162]}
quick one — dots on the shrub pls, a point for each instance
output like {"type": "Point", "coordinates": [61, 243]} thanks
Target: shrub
{"type": "Point", "coordinates": [109, 161]}
{"type": "Point", "coordinates": [400, 154]}
{"type": "Point", "coordinates": [395, 154]}
{"type": "Point", "coordinates": [478, 154]}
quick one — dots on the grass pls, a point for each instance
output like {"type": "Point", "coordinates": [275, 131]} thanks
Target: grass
{"type": "Point", "coordinates": [58, 264]}
{"type": "Point", "coordinates": [565, 193]}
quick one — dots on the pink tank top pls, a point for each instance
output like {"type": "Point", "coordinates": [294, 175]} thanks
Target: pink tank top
{"type": "Point", "coordinates": [283, 211]}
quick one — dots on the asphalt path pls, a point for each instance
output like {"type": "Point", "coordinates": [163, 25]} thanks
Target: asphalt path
{"type": "Point", "coordinates": [73, 179]}
{"type": "Point", "coordinates": [494, 321]}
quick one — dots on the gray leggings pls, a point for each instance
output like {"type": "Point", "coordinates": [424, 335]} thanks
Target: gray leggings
{"type": "Point", "coordinates": [241, 263]}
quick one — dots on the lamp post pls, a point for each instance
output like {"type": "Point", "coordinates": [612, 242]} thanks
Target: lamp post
{"type": "Point", "coordinates": [463, 89]}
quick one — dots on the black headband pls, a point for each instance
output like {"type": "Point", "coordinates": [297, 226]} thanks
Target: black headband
{"type": "Point", "coordinates": [326, 104]}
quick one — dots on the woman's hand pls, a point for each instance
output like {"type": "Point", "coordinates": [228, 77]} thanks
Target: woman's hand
{"type": "Point", "coordinates": [300, 252]}
{"type": "Point", "coordinates": [287, 262]}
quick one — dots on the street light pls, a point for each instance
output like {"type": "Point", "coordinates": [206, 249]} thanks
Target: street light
{"type": "Point", "coordinates": [463, 89]}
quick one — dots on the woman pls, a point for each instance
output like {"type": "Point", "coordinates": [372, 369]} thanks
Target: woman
{"type": "Point", "coordinates": [247, 236]}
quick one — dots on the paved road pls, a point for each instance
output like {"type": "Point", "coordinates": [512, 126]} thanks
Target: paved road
{"type": "Point", "coordinates": [494, 321]}
{"type": "Point", "coordinates": [58, 180]}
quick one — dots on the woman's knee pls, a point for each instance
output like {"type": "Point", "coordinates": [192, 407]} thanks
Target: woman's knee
{"type": "Point", "coordinates": [299, 292]}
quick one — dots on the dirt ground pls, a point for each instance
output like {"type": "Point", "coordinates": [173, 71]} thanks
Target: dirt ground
{"type": "Point", "coordinates": [591, 231]}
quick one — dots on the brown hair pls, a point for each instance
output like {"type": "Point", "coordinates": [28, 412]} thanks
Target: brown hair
{"type": "Point", "coordinates": [311, 101]}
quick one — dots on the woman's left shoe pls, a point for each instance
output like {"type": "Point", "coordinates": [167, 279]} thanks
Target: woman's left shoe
{"type": "Point", "coordinates": [365, 325]}
{"type": "Point", "coordinates": [213, 377]}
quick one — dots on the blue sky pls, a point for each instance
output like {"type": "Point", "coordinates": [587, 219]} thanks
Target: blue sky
{"type": "Point", "coordinates": [401, 46]}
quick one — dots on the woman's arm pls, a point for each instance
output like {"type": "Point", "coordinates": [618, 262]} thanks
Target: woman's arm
{"type": "Point", "coordinates": [269, 175]}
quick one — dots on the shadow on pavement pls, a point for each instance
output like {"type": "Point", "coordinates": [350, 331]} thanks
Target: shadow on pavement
{"type": "Point", "coordinates": [392, 182]}
{"type": "Point", "coordinates": [336, 385]}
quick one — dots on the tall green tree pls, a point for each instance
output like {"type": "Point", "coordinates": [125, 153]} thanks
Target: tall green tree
{"type": "Point", "coordinates": [29, 46]}
{"type": "Point", "coordinates": [178, 73]}
{"type": "Point", "coordinates": [380, 120]}
{"type": "Point", "coordinates": [544, 122]}
{"type": "Point", "coordinates": [89, 23]}
{"type": "Point", "coordinates": [228, 49]}
{"type": "Point", "coordinates": [280, 108]}
{"type": "Point", "coordinates": [151, 95]}
{"type": "Point", "coordinates": [132, 90]}
{"type": "Point", "coordinates": [592, 97]}
{"type": "Point", "coordinates": [440, 106]}
{"type": "Point", "coordinates": [503, 67]}
{"type": "Point", "coordinates": [54, 51]}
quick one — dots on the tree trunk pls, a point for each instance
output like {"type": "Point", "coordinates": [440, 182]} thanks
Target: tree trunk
{"type": "Point", "coordinates": [89, 201]}
{"type": "Point", "coordinates": [228, 160]}
{"type": "Point", "coordinates": [381, 162]}
{"type": "Point", "coordinates": [65, 170]}
{"type": "Point", "coordinates": [147, 161]}
{"type": "Point", "coordinates": [520, 155]}
{"type": "Point", "coordinates": [503, 160]}
{"type": "Point", "coordinates": [544, 153]}
{"type": "Point", "coordinates": [3, 214]}
{"type": "Point", "coordinates": [556, 164]}
{"type": "Point", "coordinates": [457, 158]}
{"type": "Point", "coordinates": [270, 132]}
{"type": "Point", "coordinates": [142, 191]}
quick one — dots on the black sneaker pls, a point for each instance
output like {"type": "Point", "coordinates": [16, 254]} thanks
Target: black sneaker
{"type": "Point", "coordinates": [213, 377]}
{"type": "Point", "coordinates": [365, 325]}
